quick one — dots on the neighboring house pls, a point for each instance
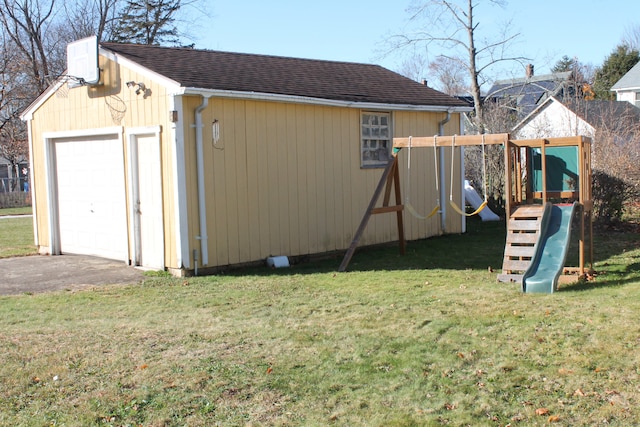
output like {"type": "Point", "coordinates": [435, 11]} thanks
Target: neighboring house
{"type": "Point", "coordinates": [628, 87]}
{"type": "Point", "coordinates": [523, 95]}
{"type": "Point", "coordinates": [554, 118]}
{"type": "Point", "coordinates": [184, 159]}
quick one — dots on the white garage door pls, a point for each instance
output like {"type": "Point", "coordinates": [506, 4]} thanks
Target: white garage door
{"type": "Point", "coordinates": [91, 197]}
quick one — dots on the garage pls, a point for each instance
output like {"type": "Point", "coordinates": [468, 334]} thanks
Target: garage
{"type": "Point", "coordinates": [91, 196]}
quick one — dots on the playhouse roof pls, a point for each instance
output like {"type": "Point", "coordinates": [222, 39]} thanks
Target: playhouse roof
{"type": "Point", "coordinates": [241, 72]}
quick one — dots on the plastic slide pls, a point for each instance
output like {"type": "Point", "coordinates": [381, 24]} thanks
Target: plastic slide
{"type": "Point", "coordinates": [550, 250]}
{"type": "Point", "coordinates": [473, 198]}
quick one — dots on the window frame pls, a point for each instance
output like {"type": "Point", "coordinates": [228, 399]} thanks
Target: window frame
{"type": "Point", "coordinates": [372, 133]}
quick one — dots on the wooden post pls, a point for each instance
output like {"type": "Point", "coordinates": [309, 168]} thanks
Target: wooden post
{"type": "Point", "coordinates": [390, 172]}
{"type": "Point", "coordinates": [401, 239]}
{"type": "Point", "coordinates": [507, 179]}
{"type": "Point", "coordinates": [581, 198]}
{"type": "Point", "coordinates": [543, 167]}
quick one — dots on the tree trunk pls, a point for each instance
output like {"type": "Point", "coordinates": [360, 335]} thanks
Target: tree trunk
{"type": "Point", "coordinates": [475, 86]}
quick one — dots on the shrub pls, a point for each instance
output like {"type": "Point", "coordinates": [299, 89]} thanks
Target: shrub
{"type": "Point", "coordinates": [609, 197]}
{"type": "Point", "coordinates": [15, 200]}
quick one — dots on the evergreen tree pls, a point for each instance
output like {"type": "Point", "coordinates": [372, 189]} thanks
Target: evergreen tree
{"type": "Point", "coordinates": [579, 83]}
{"type": "Point", "coordinates": [564, 64]}
{"type": "Point", "coordinates": [621, 60]}
{"type": "Point", "coordinates": [149, 22]}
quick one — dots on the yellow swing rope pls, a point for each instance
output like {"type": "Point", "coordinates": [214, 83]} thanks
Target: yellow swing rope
{"type": "Point", "coordinates": [407, 204]}
{"type": "Point", "coordinates": [484, 178]}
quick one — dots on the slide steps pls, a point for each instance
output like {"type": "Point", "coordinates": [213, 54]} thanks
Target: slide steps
{"type": "Point", "coordinates": [523, 230]}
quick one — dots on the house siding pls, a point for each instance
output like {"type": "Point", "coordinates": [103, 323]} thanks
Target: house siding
{"type": "Point", "coordinates": [89, 109]}
{"type": "Point", "coordinates": [627, 95]}
{"type": "Point", "coordinates": [555, 120]}
{"type": "Point", "coordinates": [285, 179]}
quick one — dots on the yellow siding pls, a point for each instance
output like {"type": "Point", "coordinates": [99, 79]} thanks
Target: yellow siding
{"type": "Point", "coordinates": [106, 106]}
{"type": "Point", "coordinates": [285, 179]}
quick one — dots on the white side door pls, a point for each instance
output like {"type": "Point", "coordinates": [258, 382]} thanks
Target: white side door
{"type": "Point", "coordinates": [146, 197]}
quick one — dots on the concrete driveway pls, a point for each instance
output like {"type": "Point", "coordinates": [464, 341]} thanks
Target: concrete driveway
{"type": "Point", "coordinates": [41, 273]}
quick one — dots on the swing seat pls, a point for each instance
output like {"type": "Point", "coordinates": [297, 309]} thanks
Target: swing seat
{"type": "Point", "coordinates": [484, 178]}
{"type": "Point", "coordinates": [461, 212]}
{"type": "Point", "coordinates": [415, 213]}
{"type": "Point", "coordinates": [408, 205]}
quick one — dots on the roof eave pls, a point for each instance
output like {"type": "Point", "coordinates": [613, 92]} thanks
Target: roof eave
{"type": "Point", "coordinates": [534, 113]}
{"type": "Point", "coordinates": [263, 96]}
{"type": "Point", "coordinates": [624, 89]}
{"type": "Point", "coordinates": [27, 113]}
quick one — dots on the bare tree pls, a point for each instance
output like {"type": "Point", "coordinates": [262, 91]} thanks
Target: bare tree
{"type": "Point", "coordinates": [86, 18]}
{"type": "Point", "coordinates": [15, 94]}
{"type": "Point", "coordinates": [415, 67]}
{"type": "Point", "coordinates": [631, 37]}
{"type": "Point", "coordinates": [451, 25]}
{"type": "Point", "coordinates": [441, 74]}
{"type": "Point", "coordinates": [14, 147]}
{"type": "Point", "coordinates": [616, 153]}
{"type": "Point", "coordinates": [451, 79]}
{"type": "Point", "coordinates": [25, 23]}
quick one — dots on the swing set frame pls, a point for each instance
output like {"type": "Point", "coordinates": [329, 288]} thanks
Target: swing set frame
{"type": "Point", "coordinates": [518, 189]}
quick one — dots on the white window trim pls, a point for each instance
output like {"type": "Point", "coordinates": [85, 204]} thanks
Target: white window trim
{"type": "Point", "coordinates": [371, 164]}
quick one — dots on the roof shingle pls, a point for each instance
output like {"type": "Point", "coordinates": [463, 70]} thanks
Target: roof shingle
{"type": "Point", "coordinates": [332, 80]}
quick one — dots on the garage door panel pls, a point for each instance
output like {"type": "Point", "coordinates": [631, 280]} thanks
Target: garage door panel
{"type": "Point", "coordinates": [91, 197]}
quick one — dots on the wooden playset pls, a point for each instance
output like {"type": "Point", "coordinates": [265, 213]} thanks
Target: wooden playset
{"type": "Point", "coordinates": [548, 192]}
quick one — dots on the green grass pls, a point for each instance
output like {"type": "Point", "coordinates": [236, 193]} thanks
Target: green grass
{"type": "Point", "coordinates": [16, 211]}
{"type": "Point", "coordinates": [425, 339]}
{"type": "Point", "coordinates": [16, 237]}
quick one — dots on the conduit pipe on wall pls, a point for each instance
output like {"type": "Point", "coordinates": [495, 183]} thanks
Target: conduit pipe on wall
{"type": "Point", "coordinates": [443, 187]}
{"type": "Point", "coordinates": [202, 207]}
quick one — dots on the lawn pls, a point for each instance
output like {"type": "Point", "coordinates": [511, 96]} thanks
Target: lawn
{"type": "Point", "coordinates": [426, 339]}
{"type": "Point", "coordinates": [16, 234]}
{"type": "Point", "coordinates": [27, 210]}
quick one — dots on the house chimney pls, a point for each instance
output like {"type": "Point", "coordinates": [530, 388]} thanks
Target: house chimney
{"type": "Point", "coordinates": [529, 71]}
{"type": "Point", "coordinates": [424, 82]}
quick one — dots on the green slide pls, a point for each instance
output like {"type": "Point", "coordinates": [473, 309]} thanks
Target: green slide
{"type": "Point", "coordinates": [550, 250]}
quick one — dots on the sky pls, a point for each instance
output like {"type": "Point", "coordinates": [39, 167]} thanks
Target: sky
{"type": "Point", "coordinates": [355, 30]}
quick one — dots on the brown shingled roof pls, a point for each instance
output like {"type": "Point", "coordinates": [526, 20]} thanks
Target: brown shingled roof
{"type": "Point", "coordinates": [340, 81]}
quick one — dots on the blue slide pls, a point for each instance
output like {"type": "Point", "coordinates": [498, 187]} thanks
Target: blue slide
{"type": "Point", "coordinates": [550, 250]}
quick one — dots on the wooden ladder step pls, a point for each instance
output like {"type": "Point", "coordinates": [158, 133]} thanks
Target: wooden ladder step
{"type": "Point", "coordinates": [528, 211]}
{"type": "Point", "coordinates": [519, 251]}
{"type": "Point", "coordinates": [523, 224]}
{"type": "Point", "coordinates": [523, 228]}
{"type": "Point", "coordinates": [522, 238]}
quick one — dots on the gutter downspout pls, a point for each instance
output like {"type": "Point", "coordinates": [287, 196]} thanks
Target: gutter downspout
{"type": "Point", "coordinates": [443, 189]}
{"type": "Point", "coordinates": [202, 207]}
